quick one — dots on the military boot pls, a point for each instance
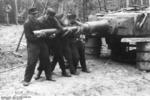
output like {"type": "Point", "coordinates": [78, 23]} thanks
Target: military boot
{"type": "Point", "coordinates": [75, 72]}
{"type": "Point", "coordinates": [65, 74]}
{"type": "Point", "coordinates": [38, 76]}
{"type": "Point", "coordinates": [26, 83]}
{"type": "Point", "coordinates": [50, 78]}
{"type": "Point", "coordinates": [86, 70]}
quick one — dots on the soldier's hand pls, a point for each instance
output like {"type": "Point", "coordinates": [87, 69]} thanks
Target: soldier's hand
{"type": "Point", "coordinates": [37, 33]}
{"type": "Point", "coordinates": [66, 33]}
{"type": "Point", "coordinates": [69, 30]}
{"type": "Point", "coordinates": [52, 36]}
{"type": "Point", "coordinates": [78, 31]}
{"type": "Point", "coordinates": [40, 34]}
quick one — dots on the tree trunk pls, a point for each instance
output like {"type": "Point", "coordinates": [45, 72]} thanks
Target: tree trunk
{"type": "Point", "coordinates": [16, 15]}
{"type": "Point", "coordinates": [7, 19]}
{"type": "Point", "coordinates": [105, 5]}
{"type": "Point", "coordinates": [77, 7]}
{"type": "Point", "coordinates": [61, 7]}
{"type": "Point", "coordinates": [127, 3]}
{"type": "Point", "coordinates": [142, 3]}
{"type": "Point", "coordinates": [85, 10]}
{"type": "Point", "coordinates": [99, 2]}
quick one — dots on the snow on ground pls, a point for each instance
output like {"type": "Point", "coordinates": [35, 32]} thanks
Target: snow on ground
{"type": "Point", "coordinates": [107, 77]}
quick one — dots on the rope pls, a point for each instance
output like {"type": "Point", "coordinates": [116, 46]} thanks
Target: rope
{"type": "Point", "coordinates": [10, 69]}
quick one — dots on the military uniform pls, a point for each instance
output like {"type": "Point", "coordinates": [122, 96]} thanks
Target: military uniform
{"type": "Point", "coordinates": [68, 53]}
{"type": "Point", "coordinates": [66, 45]}
{"type": "Point", "coordinates": [54, 44]}
{"type": "Point", "coordinates": [36, 49]}
{"type": "Point", "coordinates": [80, 46]}
{"type": "Point", "coordinates": [77, 48]}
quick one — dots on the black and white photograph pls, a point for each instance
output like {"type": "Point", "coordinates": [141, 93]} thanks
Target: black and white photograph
{"type": "Point", "coordinates": [74, 48]}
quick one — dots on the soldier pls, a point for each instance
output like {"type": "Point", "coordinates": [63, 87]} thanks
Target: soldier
{"type": "Point", "coordinates": [36, 48]}
{"type": "Point", "coordinates": [77, 45]}
{"type": "Point", "coordinates": [67, 49]}
{"type": "Point", "coordinates": [49, 21]}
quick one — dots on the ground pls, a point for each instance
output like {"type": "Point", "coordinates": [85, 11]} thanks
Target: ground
{"type": "Point", "coordinates": [106, 78]}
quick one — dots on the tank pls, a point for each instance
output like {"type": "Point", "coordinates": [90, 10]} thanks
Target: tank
{"type": "Point", "coordinates": [130, 25]}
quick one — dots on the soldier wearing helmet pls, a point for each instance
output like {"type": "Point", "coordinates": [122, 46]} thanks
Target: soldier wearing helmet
{"type": "Point", "coordinates": [71, 16]}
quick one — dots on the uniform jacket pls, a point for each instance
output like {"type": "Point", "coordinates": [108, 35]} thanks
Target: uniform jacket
{"type": "Point", "coordinates": [29, 27]}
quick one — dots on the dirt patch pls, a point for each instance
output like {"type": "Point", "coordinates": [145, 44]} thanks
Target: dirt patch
{"type": "Point", "coordinates": [109, 78]}
{"type": "Point", "coordinates": [9, 37]}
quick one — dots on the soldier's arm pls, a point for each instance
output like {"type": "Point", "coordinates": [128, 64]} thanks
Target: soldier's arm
{"type": "Point", "coordinates": [59, 27]}
{"type": "Point", "coordinates": [29, 34]}
{"type": "Point", "coordinates": [58, 24]}
{"type": "Point", "coordinates": [78, 23]}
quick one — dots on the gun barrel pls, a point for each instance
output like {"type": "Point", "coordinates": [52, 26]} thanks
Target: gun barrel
{"type": "Point", "coordinates": [88, 27]}
{"type": "Point", "coordinates": [97, 26]}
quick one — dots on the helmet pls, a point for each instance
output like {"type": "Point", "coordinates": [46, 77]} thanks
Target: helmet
{"type": "Point", "coordinates": [71, 16]}
{"type": "Point", "coordinates": [51, 12]}
{"type": "Point", "coordinates": [32, 10]}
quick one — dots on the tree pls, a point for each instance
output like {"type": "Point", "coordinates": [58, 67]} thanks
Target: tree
{"type": "Point", "coordinates": [16, 7]}
{"type": "Point", "coordinates": [127, 3]}
{"type": "Point", "coordinates": [60, 6]}
{"type": "Point", "coordinates": [105, 5]}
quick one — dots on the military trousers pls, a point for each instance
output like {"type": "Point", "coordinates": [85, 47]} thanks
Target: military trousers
{"type": "Point", "coordinates": [55, 49]}
{"type": "Point", "coordinates": [69, 49]}
{"type": "Point", "coordinates": [79, 54]}
{"type": "Point", "coordinates": [37, 51]}
{"type": "Point", "coordinates": [58, 56]}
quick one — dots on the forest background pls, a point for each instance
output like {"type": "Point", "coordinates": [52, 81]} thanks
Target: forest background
{"type": "Point", "coordinates": [82, 8]}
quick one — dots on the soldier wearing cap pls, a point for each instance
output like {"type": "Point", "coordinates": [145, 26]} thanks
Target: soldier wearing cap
{"type": "Point", "coordinates": [54, 42]}
{"type": "Point", "coordinates": [36, 48]}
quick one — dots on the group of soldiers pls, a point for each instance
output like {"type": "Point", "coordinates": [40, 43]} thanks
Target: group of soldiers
{"type": "Point", "coordinates": [65, 47]}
